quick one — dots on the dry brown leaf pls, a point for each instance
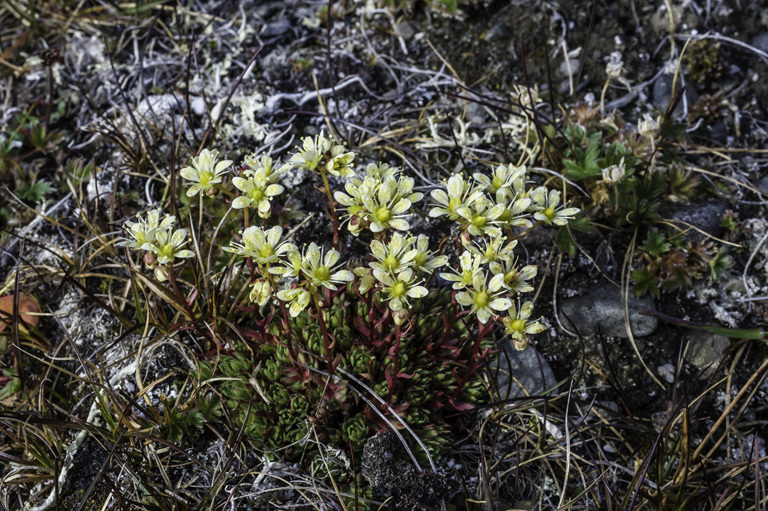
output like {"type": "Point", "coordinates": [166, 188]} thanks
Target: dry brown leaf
{"type": "Point", "coordinates": [27, 309]}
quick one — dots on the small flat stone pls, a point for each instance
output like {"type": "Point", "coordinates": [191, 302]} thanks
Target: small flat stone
{"type": "Point", "coordinates": [531, 373]}
{"type": "Point", "coordinates": [277, 28]}
{"type": "Point", "coordinates": [600, 310]}
{"type": "Point", "coordinates": [704, 215]}
{"type": "Point", "coordinates": [405, 30]}
{"type": "Point", "coordinates": [498, 32]}
{"type": "Point", "coordinates": [705, 351]}
{"type": "Point", "coordinates": [662, 93]}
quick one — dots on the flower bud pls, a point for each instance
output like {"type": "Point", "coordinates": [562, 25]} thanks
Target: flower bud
{"type": "Point", "coordinates": [161, 274]}
{"type": "Point", "coordinates": [150, 259]}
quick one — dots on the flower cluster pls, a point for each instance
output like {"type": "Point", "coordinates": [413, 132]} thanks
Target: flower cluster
{"type": "Point", "coordinates": [205, 172]}
{"type": "Point", "coordinates": [321, 155]}
{"type": "Point", "coordinates": [258, 184]}
{"type": "Point", "coordinates": [396, 269]}
{"type": "Point", "coordinates": [159, 240]}
{"type": "Point", "coordinates": [490, 205]}
{"type": "Point", "coordinates": [380, 201]}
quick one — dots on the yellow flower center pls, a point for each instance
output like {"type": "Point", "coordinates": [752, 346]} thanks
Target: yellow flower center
{"type": "Point", "coordinates": [205, 177]}
{"type": "Point", "coordinates": [257, 194]}
{"type": "Point", "coordinates": [497, 182]}
{"type": "Point", "coordinates": [391, 262]}
{"type": "Point", "coordinates": [420, 259]}
{"type": "Point", "coordinates": [322, 273]}
{"type": "Point", "coordinates": [266, 250]}
{"type": "Point", "coordinates": [517, 325]}
{"type": "Point", "coordinates": [549, 213]}
{"type": "Point", "coordinates": [481, 299]}
{"type": "Point", "coordinates": [454, 203]}
{"type": "Point", "coordinates": [383, 214]}
{"type": "Point", "coordinates": [479, 220]}
{"type": "Point", "coordinates": [510, 278]}
{"type": "Point", "coordinates": [398, 289]}
{"type": "Point", "coordinates": [167, 250]}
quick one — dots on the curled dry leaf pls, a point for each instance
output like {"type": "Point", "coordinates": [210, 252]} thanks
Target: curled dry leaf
{"type": "Point", "coordinates": [28, 309]}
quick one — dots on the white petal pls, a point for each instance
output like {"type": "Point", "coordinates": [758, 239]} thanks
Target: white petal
{"type": "Point", "coordinates": [418, 292]}
{"type": "Point", "coordinates": [313, 255]}
{"type": "Point", "coordinates": [500, 304]}
{"type": "Point", "coordinates": [401, 207]}
{"type": "Point", "coordinates": [378, 250]}
{"type": "Point", "coordinates": [399, 224]}
{"type": "Point", "coordinates": [496, 282]}
{"type": "Point", "coordinates": [440, 196]}
{"type": "Point", "coordinates": [483, 315]}
{"type": "Point", "coordinates": [343, 276]}
{"type": "Point", "coordinates": [241, 202]}
{"type": "Point", "coordinates": [464, 299]}
{"type": "Point", "coordinates": [190, 173]}
{"type": "Point", "coordinates": [526, 310]}
{"type": "Point", "coordinates": [455, 185]}
{"type": "Point", "coordinates": [330, 258]}
{"type": "Point", "coordinates": [178, 237]}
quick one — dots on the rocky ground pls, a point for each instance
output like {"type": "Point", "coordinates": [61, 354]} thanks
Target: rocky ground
{"type": "Point", "coordinates": [102, 101]}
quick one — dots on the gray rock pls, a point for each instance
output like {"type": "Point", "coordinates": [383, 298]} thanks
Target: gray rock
{"type": "Point", "coordinates": [268, 9]}
{"type": "Point", "coordinates": [405, 30]}
{"type": "Point", "coordinates": [760, 42]}
{"type": "Point", "coordinates": [499, 31]}
{"type": "Point", "coordinates": [277, 28]}
{"type": "Point", "coordinates": [600, 310]}
{"type": "Point", "coordinates": [662, 93]}
{"type": "Point", "coordinates": [705, 351]}
{"type": "Point", "coordinates": [719, 133]}
{"type": "Point", "coordinates": [704, 215]}
{"type": "Point", "coordinates": [526, 367]}
{"type": "Point", "coordinates": [763, 183]}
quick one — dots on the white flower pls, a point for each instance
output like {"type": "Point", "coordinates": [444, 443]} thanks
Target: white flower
{"type": "Point", "coordinates": [379, 201]}
{"type": "Point", "coordinates": [460, 193]}
{"type": "Point", "coordinates": [298, 297]}
{"type": "Point", "coordinates": [485, 299]}
{"type": "Point", "coordinates": [470, 266]}
{"type": "Point", "coordinates": [511, 277]}
{"type": "Point", "coordinates": [483, 217]}
{"type": "Point", "coordinates": [143, 231]}
{"type": "Point", "coordinates": [261, 291]}
{"type": "Point", "coordinates": [167, 245]}
{"type": "Point", "coordinates": [319, 269]}
{"type": "Point", "coordinates": [502, 181]}
{"type": "Point", "coordinates": [263, 246]}
{"type": "Point", "coordinates": [615, 67]}
{"type": "Point", "coordinates": [519, 326]}
{"type": "Point", "coordinates": [648, 126]}
{"type": "Point", "coordinates": [393, 257]}
{"type": "Point", "coordinates": [514, 213]}
{"type": "Point", "coordinates": [423, 259]}
{"type": "Point", "coordinates": [546, 205]}
{"type": "Point", "coordinates": [400, 287]}
{"type": "Point", "coordinates": [383, 212]}
{"type": "Point", "coordinates": [204, 172]}
{"type": "Point", "coordinates": [614, 173]}
{"type": "Point", "coordinates": [492, 249]}
{"type": "Point", "coordinates": [265, 166]}
{"type": "Point", "coordinates": [320, 154]}
{"type": "Point", "coordinates": [257, 192]}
